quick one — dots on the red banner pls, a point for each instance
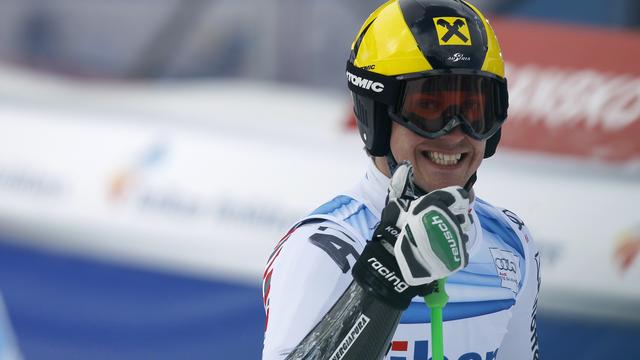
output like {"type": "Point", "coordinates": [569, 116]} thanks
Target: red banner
{"type": "Point", "coordinates": [573, 90]}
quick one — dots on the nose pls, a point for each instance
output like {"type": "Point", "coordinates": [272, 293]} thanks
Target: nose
{"type": "Point", "coordinates": [455, 135]}
{"type": "Point", "coordinates": [450, 111]}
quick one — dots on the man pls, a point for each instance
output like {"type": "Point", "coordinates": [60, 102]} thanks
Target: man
{"type": "Point", "coordinates": [427, 79]}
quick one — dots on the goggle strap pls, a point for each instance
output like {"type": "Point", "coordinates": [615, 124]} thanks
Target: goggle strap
{"type": "Point", "coordinates": [380, 88]}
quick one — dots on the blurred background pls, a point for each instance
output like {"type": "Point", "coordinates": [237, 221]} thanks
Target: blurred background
{"type": "Point", "coordinates": [152, 152]}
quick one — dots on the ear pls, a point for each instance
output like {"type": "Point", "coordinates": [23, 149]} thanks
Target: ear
{"type": "Point", "coordinates": [374, 124]}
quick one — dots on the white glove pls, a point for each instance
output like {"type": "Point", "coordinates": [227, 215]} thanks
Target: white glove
{"type": "Point", "coordinates": [434, 229]}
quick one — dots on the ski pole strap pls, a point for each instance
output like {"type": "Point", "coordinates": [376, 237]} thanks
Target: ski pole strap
{"type": "Point", "coordinates": [436, 300]}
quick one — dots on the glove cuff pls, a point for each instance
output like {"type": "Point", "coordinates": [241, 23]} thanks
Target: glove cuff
{"type": "Point", "coordinates": [377, 272]}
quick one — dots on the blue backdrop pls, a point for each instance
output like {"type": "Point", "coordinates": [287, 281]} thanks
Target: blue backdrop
{"type": "Point", "coordinates": [68, 307]}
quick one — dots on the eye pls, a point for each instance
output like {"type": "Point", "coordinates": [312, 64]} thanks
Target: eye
{"type": "Point", "coordinates": [472, 109]}
{"type": "Point", "coordinates": [471, 105]}
{"type": "Point", "coordinates": [429, 104]}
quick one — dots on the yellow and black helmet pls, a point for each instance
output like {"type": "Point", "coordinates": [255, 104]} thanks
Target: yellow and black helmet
{"type": "Point", "coordinates": [408, 50]}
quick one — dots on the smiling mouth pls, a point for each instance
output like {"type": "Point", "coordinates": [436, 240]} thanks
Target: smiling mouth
{"type": "Point", "coordinates": [444, 159]}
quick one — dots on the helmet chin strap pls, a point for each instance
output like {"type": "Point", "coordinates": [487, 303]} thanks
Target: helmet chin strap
{"type": "Point", "coordinates": [392, 163]}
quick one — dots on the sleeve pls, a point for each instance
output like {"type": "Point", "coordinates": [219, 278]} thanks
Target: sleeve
{"type": "Point", "coordinates": [306, 275]}
{"type": "Point", "coordinates": [521, 339]}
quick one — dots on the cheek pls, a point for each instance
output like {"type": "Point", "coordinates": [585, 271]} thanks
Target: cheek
{"type": "Point", "coordinates": [402, 142]}
{"type": "Point", "coordinates": [478, 149]}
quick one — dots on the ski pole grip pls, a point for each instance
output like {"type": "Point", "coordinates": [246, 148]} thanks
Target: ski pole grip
{"type": "Point", "coordinates": [438, 297]}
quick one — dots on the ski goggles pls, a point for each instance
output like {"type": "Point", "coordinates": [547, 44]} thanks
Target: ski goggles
{"type": "Point", "coordinates": [434, 103]}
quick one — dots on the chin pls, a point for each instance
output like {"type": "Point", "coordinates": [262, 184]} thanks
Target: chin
{"type": "Point", "coordinates": [430, 186]}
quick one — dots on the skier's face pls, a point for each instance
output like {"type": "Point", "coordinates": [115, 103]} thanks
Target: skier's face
{"type": "Point", "coordinates": [438, 163]}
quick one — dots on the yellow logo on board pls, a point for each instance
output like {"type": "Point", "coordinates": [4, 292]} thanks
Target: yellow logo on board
{"type": "Point", "coordinates": [452, 30]}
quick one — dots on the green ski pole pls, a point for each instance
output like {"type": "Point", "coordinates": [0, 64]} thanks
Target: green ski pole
{"type": "Point", "coordinates": [436, 300]}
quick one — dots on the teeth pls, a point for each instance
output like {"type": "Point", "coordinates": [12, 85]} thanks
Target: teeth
{"type": "Point", "coordinates": [444, 159]}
